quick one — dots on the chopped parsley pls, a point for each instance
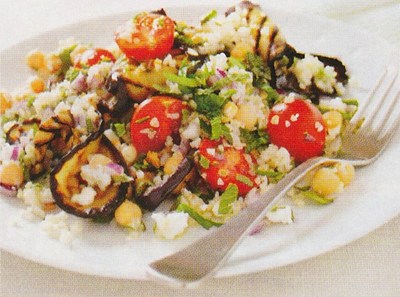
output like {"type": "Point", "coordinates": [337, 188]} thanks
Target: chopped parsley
{"type": "Point", "coordinates": [204, 162]}
{"type": "Point", "coordinates": [218, 129]}
{"type": "Point", "coordinates": [227, 198]}
{"type": "Point", "coordinates": [119, 129]}
{"type": "Point", "coordinates": [254, 139]}
{"type": "Point", "coordinates": [244, 179]}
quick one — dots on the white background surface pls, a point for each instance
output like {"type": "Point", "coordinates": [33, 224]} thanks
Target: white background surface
{"type": "Point", "coordinates": [368, 267]}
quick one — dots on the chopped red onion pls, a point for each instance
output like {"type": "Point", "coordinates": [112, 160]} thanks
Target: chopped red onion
{"type": "Point", "coordinates": [258, 228]}
{"type": "Point", "coordinates": [8, 191]}
{"type": "Point", "coordinates": [221, 73]}
{"type": "Point", "coordinates": [79, 83]}
{"type": "Point", "coordinates": [15, 153]}
{"type": "Point", "coordinates": [118, 169]}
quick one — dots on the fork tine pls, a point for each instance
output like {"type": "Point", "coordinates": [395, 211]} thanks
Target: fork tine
{"type": "Point", "coordinates": [371, 95]}
{"type": "Point", "coordinates": [377, 96]}
{"type": "Point", "coordinates": [392, 112]}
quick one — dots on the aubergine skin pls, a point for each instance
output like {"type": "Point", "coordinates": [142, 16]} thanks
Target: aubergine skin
{"type": "Point", "coordinates": [151, 200]}
{"type": "Point", "coordinates": [65, 179]}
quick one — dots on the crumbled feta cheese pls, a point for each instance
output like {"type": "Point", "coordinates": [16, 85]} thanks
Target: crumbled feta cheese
{"type": "Point", "coordinates": [192, 131]}
{"type": "Point", "coordinates": [275, 158]}
{"type": "Point", "coordinates": [171, 225]}
{"type": "Point", "coordinates": [281, 214]}
{"type": "Point", "coordinates": [96, 176]}
{"type": "Point", "coordinates": [85, 197]}
{"type": "Point", "coordinates": [275, 120]}
{"type": "Point", "coordinates": [60, 227]}
{"type": "Point", "coordinates": [154, 123]}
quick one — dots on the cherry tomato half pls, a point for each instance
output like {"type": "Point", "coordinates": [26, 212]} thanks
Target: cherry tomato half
{"type": "Point", "coordinates": [230, 166]}
{"type": "Point", "coordinates": [299, 127]}
{"type": "Point", "coordinates": [92, 57]}
{"type": "Point", "coordinates": [146, 36]}
{"type": "Point", "coordinates": [154, 120]}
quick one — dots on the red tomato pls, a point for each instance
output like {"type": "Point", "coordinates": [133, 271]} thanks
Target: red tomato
{"type": "Point", "coordinates": [299, 127]}
{"type": "Point", "coordinates": [219, 169]}
{"type": "Point", "coordinates": [92, 57]}
{"type": "Point", "coordinates": [146, 36]}
{"type": "Point", "coordinates": [154, 120]}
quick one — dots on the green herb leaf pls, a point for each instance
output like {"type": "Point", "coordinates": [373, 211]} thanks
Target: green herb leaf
{"type": "Point", "coordinates": [119, 129]}
{"type": "Point", "coordinates": [206, 223]}
{"type": "Point", "coordinates": [181, 80]}
{"type": "Point", "coordinates": [219, 130]}
{"type": "Point", "coordinates": [254, 139]}
{"type": "Point", "coordinates": [212, 14]}
{"type": "Point", "coordinates": [273, 176]}
{"type": "Point", "coordinates": [30, 100]}
{"type": "Point", "coordinates": [89, 125]}
{"type": "Point", "coordinates": [317, 198]}
{"type": "Point", "coordinates": [209, 105]}
{"type": "Point", "coordinates": [72, 73]}
{"type": "Point", "coordinates": [142, 120]}
{"type": "Point", "coordinates": [227, 198]}
{"type": "Point", "coordinates": [256, 65]}
{"type": "Point", "coordinates": [204, 162]}
{"type": "Point", "coordinates": [65, 57]}
{"type": "Point", "coordinates": [244, 179]}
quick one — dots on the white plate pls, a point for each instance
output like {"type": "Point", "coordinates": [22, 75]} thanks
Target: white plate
{"type": "Point", "coordinates": [103, 250]}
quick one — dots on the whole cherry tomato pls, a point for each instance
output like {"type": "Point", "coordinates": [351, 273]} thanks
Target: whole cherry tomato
{"type": "Point", "coordinates": [92, 57]}
{"type": "Point", "coordinates": [154, 120]}
{"type": "Point", "coordinates": [299, 127]}
{"type": "Point", "coordinates": [146, 36]}
{"type": "Point", "coordinates": [221, 168]}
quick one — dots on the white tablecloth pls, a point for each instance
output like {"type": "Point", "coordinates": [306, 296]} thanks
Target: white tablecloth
{"type": "Point", "coordinates": [367, 267]}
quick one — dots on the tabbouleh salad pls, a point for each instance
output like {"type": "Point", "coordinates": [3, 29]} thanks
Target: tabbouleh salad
{"type": "Point", "coordinates": [200, 118]}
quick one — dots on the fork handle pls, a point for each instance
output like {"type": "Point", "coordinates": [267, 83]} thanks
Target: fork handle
{"type": "Point", "coordinates": [202, 258]}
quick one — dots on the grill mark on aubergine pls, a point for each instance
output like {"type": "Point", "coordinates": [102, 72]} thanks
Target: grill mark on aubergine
{"type": "Point", "coordinates": [258, 37]}
{"type": "Point", "coordinates": [272, 37]}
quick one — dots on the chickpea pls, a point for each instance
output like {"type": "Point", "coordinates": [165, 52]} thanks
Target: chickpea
{"type": "Point", "coordinates": [36, 60]}
{"type": "Point", "coordinates": [4, 102]}
{"type": "Point", "coordinates": [325, 182]}
{"type": "Point", "coordinates": [12, 174]}
{"type": "Point", "coordinates": [246, 115]}
{"type": "Point", "coordinates": [345, 172]}
{"type": "Point", "coordinates": [172, 163]}
{"type": "Point", "coordinates": [54, 63]}
{"type": "Point", "coordinates": [230, 110]}
{"type": "Point", "coordinates": [128, 214]}
{"type": "Point", "coordinates": [37, 85]}
{"type": "Point", "coordinates": [332, 119]}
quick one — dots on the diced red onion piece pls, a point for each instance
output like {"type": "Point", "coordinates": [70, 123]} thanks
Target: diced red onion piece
{"type": "Point", "coordinates": [15, 153]}
{"type": "Point", "coordinates": [8, 191]}
{"type": "Point", "coordinates": [79, 83]}
{"type": "Point", "coordinates": [118, 169]}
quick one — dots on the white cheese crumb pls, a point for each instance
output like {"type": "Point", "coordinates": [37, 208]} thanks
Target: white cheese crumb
{"type": "Point", "coordinates": [281, 214]}
{"type": "Point", "coordinates": [171, 225]}
{"type": "Point", "coordinates": [85, 197]}
{"type": "Point", "coordinates": [58, 226]}
{"type": "Point", "coordinates": [275, 120]}
{"type": "Point", "coordinates": [154, 123]}
{"type": "Point", "coordinates": [294, 117]}
{"type": "Point", "coordinates": [319, 126]}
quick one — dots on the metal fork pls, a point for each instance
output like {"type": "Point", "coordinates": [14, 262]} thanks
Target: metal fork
{"type": "Point", "coordinates": [361, 146]}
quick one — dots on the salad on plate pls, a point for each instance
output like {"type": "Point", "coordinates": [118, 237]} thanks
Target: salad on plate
{"type": "Point", "coordinates": [173, 125]}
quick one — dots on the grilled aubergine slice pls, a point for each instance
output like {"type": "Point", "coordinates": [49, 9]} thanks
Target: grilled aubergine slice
{"type": "Point", "coordinates": [66, 180]}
